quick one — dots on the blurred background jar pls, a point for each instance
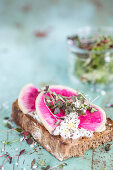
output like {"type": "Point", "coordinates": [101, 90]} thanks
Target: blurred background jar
{"type": "Point", "coordinates": [91, 55]}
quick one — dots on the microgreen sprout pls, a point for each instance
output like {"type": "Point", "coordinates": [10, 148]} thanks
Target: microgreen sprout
{"type": "Point", "coordinates": [10, 157]}
{"type": "Point", "coordinates": [58, 103]}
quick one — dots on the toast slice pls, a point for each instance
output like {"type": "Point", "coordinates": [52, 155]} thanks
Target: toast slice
{"type": "Point", "coordinates": [61, 148]}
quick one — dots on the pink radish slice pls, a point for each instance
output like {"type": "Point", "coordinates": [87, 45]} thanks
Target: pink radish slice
{"type": "Point", "coordinates": [27, 97]}
{"type": "Point", "coordinates": [93, 121]}
{"type": "Point", "coordinates": [44, 113]}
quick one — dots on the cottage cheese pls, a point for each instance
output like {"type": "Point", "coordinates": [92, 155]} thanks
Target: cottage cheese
{"type": "Point", "coordinates": [69, 128]}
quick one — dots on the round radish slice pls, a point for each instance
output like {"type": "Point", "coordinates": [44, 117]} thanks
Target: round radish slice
{"type": "Point", "coordinates": [46, 116]}
{"type": "Point", "coordinates": [27, 97]}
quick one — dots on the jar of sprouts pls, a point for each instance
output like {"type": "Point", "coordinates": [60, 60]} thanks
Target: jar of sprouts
{"type": "Point", "coordinates": [91, 55]}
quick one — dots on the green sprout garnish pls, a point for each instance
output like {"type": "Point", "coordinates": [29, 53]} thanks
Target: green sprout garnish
{"type": "Point", "coordinates": [9, 142]}
{"type": "Point", "coordinates": [59, 103]}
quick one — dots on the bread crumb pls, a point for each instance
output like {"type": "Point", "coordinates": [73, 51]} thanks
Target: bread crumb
{"type": "Point", "coordinates": [2, 150]}
{"type": "Point", "coordinates": [103, 92]}
{"type": "Point", "coordinates": [16, 163]}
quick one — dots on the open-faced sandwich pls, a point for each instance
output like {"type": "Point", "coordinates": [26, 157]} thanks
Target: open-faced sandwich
{"type": "Point", "coordinates": [62, 120]}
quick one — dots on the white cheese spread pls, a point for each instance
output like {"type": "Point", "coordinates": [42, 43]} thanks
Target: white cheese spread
{"type": "Point", "coordinates": [69, 128]}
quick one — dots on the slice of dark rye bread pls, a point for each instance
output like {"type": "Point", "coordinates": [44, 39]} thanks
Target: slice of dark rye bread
{"type": "Point", "coordinates": [61, 148]}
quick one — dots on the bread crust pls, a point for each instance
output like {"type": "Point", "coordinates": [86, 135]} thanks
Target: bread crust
{"type": "Point", "coordinates": [61, 148]}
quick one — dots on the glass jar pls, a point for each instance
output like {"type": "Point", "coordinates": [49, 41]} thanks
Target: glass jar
{"type": "Point", "coordinates": [91, 66]}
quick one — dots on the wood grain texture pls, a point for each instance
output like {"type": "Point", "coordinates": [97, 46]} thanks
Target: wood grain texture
{"type": "Point", "coordinates": [26, 58]}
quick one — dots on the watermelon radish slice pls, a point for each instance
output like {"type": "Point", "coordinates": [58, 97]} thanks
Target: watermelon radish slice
{"type": "Point", "coordinates": [27, 97]}
{"type": "Point", "coordinates": [43, 111]}
{"type": "Point", "coordinates": [91, 121]}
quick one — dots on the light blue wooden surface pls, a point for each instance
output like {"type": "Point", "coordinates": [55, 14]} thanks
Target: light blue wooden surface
{"type": "Point", "coordinates": [25, 58]}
